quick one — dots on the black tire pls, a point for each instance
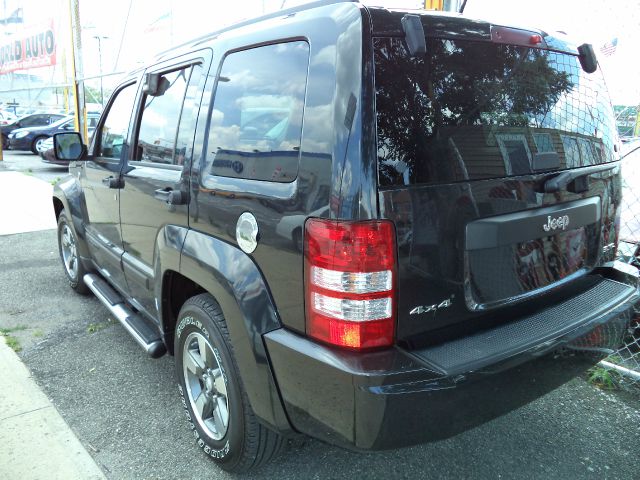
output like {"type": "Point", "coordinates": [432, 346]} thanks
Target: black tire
{"type": "Point", "coordinates": [73, 268]}
{"type": "Point", "coordinates": [245, 443]}
{"type": "Point", "coordinates": [34, 144]}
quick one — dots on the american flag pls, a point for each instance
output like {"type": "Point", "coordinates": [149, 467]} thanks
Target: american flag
{"type": "Point", "coordinates": [609, 48]}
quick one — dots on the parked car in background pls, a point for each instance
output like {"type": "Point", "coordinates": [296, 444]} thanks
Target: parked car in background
{"type": "Point", "coordinates": [27, 121]}
{"type": "Point", "coordinates": [31, 138]}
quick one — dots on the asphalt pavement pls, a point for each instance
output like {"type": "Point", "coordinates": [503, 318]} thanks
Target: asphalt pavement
{"type": "Point", "coordinates": [124, 407]}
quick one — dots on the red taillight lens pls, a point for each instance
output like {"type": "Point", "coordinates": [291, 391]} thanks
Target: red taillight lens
{"type": "Point", "coordinates": [350, 277]}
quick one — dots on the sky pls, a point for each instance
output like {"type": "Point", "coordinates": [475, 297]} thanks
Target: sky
{"type": "Point", "coordinates": [132, 31]}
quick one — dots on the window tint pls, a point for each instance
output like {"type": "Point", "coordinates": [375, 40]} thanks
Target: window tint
{"type": "Point", "coordinates": [188, 117]}
{"type": "Point", "coordinates": [515, 153]}
{"type": "Point", "coordinates": [256, 122]}
{"type": "Point", "coordinates": [33, 121]}
{"type": "Point", "coordinates": [543, 142]}
{"type": "Point", "coordinates": [160, 117]}
{"type": "Point", "coordinates": [114, 129]}
{"type": "Point", "coordinates": [473, 110]}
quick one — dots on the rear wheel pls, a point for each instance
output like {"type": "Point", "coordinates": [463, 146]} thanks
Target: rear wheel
{"type": "Point", "coordinates": [215, 402]}
{"type": "Point", "coordinates": [68, 248]}
{"type": "Point", "coordinates": [37, 143]}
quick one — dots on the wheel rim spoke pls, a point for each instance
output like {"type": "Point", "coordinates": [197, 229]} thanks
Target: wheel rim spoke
{"type": "Point", "coordinates": [204, 406]}
{"type": "Point", "coordinates": [219, 382]}
{"type": "Point", "coordinates": [194, 363]}
{"type": "Point", "coordinates": [221, 414]}
{"type": "Point", "coordinates": [204, 352]}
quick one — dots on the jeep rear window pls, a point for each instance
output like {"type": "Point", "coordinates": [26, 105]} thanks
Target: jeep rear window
{"type": "Point", "coordinates": [471, 110]}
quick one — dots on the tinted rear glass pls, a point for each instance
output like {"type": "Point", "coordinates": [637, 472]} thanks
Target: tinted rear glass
{"type": "Point", "coordinates": [472, 110]}
{"type": "Point", "coordinates": [256, 122]}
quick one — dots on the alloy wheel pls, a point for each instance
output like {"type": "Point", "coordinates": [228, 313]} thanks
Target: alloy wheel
{"type": "Point", "coordinates": [206, 385]}
{"type": "Point", "coordinates": [69, 252]}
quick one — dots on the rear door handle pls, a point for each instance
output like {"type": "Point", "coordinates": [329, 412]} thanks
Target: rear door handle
{"type": "Point", "coordinates": [170, 196]}
{"type": "Point", "coordinates": [113, 182]}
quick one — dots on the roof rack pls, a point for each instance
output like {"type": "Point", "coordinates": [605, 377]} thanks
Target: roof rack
{"type": "Point", "coordinates": [276, 14]}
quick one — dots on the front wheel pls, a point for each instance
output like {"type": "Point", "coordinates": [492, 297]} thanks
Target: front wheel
{"type": "Point", "coordinates": [214, 399]}
{"type": "Point", "coordinates": [68, 248]}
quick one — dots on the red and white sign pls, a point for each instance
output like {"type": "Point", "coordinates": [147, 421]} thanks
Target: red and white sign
{"type": "Point", "coordinates": [33, 48]}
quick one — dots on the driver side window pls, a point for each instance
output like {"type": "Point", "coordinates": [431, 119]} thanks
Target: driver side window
{"type": "Point", "coordinates": [113, 133]}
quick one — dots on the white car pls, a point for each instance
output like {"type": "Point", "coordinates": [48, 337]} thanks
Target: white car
{"type": "Point", "coordinates": [6, 117]}
{"type": "Point", "coordinates": [44, 146]}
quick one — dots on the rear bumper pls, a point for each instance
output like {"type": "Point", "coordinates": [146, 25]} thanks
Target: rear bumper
{"type": "Point", "coordinates": [396, 398]}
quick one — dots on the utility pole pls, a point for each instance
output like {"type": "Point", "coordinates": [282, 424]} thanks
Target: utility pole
{"type": "Point", "coordinates": [77, 70]}
{"type": "Point", "coordinates": [99, 38]}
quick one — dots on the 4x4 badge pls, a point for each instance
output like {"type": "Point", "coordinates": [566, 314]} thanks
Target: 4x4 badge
{"type": "Point", "coordinates": [432, 308]}
{"type": "Point", "coordinates": [556, 223]}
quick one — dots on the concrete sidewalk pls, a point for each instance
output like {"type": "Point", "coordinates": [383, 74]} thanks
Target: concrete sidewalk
{"type": "Point", "coordinates": [35, 442]}
{"type": "Point", "coordinates": [25, 204]}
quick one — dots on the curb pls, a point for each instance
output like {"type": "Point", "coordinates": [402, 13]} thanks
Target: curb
{"type": "Point", "coordinates": [35, 441]}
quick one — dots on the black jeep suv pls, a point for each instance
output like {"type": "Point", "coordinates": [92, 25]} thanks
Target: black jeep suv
{"type": "Point", "coordinates": [373, 227]}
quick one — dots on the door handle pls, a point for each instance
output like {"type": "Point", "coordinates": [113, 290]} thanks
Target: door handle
{"type": "Point", "coordinates": [113, 182]}
{"type": "Point", "coordinates": [170, 196]}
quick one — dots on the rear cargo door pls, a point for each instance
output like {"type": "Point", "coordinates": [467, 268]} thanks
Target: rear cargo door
{"type": "Point", "coordinates": [497, 164]}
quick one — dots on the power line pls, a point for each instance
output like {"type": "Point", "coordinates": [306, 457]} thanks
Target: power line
{"type": "Point", "coordinates": [124, 31]}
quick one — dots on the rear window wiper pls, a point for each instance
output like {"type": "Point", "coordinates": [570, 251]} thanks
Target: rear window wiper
{"type": "Point", "coordinates": [561, 181]}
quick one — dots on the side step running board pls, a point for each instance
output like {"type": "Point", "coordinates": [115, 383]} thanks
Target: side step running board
{"type": "Point", "coordinates": [141, 329]}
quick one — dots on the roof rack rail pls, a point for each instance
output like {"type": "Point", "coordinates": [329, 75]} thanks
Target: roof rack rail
{"type": "Point", "coordinates": [276, 14]}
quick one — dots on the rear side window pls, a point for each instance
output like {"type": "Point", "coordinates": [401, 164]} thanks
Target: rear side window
{"type": "Point", "coordinates": [34, 120]}
{"type": "Point", "coordinates": [472, 110]}
{"type": "Point", "coordinates": [256, 121]}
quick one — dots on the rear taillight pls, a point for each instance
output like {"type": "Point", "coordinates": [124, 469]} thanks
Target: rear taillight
{"type": "Point", "coordinates": [350, 281]}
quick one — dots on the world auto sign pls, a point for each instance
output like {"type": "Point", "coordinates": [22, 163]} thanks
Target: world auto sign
{"type": "Point", "coordinates": [32, 48]}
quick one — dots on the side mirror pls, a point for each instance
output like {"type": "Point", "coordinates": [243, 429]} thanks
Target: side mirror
{"type": "Point", "coordinates": [68, 146]}
{"type": "Point", "coordinates": [155, 84]}
{"type": "Point", "coordinates": [414, 35]}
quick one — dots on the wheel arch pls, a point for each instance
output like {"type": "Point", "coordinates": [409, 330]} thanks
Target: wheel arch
{"type": "Point", "coordinates": [67, 195]}
{"type": "Point", "coordinates": [230, 276]}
